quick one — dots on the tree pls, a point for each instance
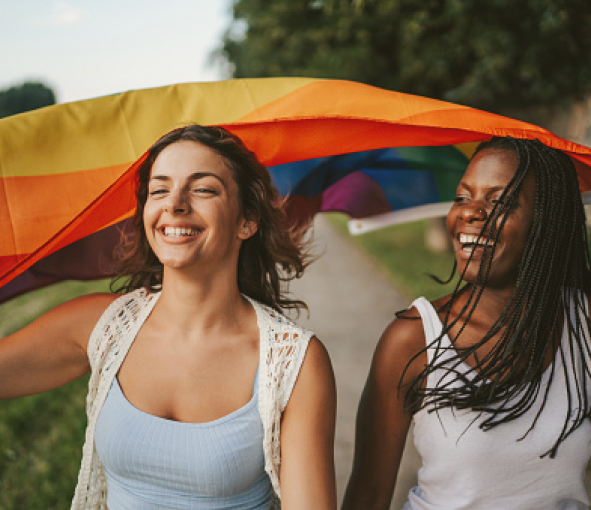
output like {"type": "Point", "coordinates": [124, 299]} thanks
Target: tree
{"type": "Point", "coordinates": [493, 54]}
{"type": "Point", "coordinates": [25, 97]}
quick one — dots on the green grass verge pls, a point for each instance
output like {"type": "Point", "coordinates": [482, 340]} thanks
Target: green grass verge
{"type": "Point", "coordinates": [401, 251]}
{"type": "Point", "coordinates": [41, 436]}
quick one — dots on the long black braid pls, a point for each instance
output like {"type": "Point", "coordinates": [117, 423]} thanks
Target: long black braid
{"type": "Point", "coordinates": [554, 271]}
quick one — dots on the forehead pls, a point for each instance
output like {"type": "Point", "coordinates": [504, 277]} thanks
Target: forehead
{"type": "Point", "coordinates": [185, 158]}
{"type": "Point", "coordinates": [493, 167]}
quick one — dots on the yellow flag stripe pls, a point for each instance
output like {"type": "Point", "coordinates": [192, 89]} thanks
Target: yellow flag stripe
{"type": "Point", "coordinates": [113, 130]}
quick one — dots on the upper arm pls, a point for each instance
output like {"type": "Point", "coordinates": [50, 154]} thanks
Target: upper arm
{"type": "Point", "coordinates": [382, 419]}
{"type": "Point", "coordinates": [307, 436]}
{"type": "Point", "coordinates": [50, 351]}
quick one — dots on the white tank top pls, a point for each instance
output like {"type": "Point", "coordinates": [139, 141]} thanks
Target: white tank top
{"type": "Point", "coordinates": [465, 467]}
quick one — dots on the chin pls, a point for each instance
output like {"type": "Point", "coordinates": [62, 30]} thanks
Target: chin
{"type": "Point", "coordinates": [470, 272]}
{"type": "Point", "coordinates": [176, 264]}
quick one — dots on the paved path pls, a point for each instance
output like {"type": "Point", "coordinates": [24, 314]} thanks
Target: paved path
{"type": "Point", "coordinates": [351, 301]}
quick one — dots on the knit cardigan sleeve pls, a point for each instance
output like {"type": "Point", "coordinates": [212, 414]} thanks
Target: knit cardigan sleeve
{"type": "Point", "coordinates": [282, 351]}
{"type": "Point", "coordinates": [109, 342]}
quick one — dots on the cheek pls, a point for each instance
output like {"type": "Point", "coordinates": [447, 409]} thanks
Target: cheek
{"type": "Point", "coordinates": [449, 222]}
{"type": "Point", "coordinates": [148, 218]}
{"type": "Point", "coordinates": [148, 212]}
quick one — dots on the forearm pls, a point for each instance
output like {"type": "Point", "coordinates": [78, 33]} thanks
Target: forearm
{"type": "Point", "coordinates": [364, 494]}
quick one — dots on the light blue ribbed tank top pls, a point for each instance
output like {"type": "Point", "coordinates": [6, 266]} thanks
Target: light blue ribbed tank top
{"type": "Point", "coordinates": [155, 463]}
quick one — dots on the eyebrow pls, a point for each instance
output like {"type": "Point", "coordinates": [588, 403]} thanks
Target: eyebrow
{"type": "Point", "coordinates": [193, 177]}
{"type": "Point", "coordinates": [492, 190]}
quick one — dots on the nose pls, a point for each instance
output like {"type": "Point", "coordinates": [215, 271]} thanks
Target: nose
{"type": "Point", "coordinates": [475, 211]}
{"type": "Point", "coordinates": [176, 202]}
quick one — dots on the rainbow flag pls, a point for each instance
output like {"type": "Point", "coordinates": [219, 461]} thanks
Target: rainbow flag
{"type": "Point", "coordinates": [378, 187]}
{"type": "Point", "coordinates": [67, 171]}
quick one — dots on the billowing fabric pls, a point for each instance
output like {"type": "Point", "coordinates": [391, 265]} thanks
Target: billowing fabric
{"type": "Point", "coordinates": [67, 171]}
{"type": "Point", "coordinates": [465, 467]}
{"type": "Point", "coordinates": [282, 349]}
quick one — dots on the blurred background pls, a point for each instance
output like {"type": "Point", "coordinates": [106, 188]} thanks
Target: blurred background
{"type": "Point", "coordinates": [528, 59]}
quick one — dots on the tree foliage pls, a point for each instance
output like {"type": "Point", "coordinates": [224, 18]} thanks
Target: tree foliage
{"type": "Point", "coordinates": [25, 97]}
{"type": "Point", "coordinates": [491, 54]}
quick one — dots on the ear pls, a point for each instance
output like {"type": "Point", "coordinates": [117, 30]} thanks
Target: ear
{"type": "Point", "coordinates": [247, 229]}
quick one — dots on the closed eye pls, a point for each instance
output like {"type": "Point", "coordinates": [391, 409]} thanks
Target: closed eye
{"type": "Point", "coordinates": [157, 192]}
{"type": "Point", "coordinates": [495, 199]}
{"type": "Point", "coordinates": [205, 190]}
{"type": "Point", "coordinates": [505, 203]}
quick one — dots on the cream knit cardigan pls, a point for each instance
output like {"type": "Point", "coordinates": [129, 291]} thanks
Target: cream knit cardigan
{"type": "Point", "coordinates": [282, 349]}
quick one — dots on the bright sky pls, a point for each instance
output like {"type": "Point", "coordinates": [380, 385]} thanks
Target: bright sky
{"type": "Point", "coordinates": [90, 48]}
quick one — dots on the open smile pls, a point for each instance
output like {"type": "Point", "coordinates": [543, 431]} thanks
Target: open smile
{"type": "Point", "coordinates": [180, 232]}
{"type": "Point", "coordinates": [472, 243]}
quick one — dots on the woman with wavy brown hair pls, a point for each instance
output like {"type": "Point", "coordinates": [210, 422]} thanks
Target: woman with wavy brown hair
{"type": "Point", "coordinates": [263, 258]}
{"type": "Point", "coordinates": [202, 394]}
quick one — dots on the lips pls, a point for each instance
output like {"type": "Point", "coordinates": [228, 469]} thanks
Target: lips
{"type": "Point", "coordinates": [471, 239]}
{"type": "Point", "coordinates": [471, 244]}
{"type": "Point", "coordinates": [176, 232]}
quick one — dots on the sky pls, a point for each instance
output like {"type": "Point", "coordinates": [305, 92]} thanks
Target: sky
{"type": "Point", "coordinates": [89, 48]}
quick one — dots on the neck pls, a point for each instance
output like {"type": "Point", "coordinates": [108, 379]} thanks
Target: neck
{"type": "Point", "coordinates": [193, 303]}
{"type": "Point", "coordinates": [492, 301]}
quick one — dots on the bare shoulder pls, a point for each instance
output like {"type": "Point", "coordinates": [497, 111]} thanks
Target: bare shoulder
{"type": "Point", "coordinates": [401, 345]}
{"type": "Point", "coordinates": [404, 336]}
{"type": "Point", "coordinates": [317, 353]}
{"type": "Point", "coordinates": [317, 364]}
{"type": "Point", "coordinates": [315, 378]}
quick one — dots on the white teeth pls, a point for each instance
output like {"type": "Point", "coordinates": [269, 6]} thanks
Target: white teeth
{"type": "Point", "coordinates": [469, 239]}
{"type": "Point", "coordinates": [179, 232]}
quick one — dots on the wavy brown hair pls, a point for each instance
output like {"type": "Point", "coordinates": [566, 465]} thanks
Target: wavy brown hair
{"type": "Point", "coordinates": [267, 261]}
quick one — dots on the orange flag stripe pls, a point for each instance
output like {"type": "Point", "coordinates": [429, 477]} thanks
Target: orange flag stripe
{"type": "Point", "coordinates": [117, 129]}
{"type": "Point", "coordinates": [391, 119]}
{"type": "Point", "coordinates": [30, 197]}
{"type": "Point", "coordinates": [281, 119]}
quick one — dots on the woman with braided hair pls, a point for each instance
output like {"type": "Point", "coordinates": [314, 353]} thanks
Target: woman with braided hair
{"type": "Point", "coordinates": [496, 376]}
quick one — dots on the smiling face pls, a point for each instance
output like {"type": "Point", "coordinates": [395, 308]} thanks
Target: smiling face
{"type": "Point", "coordinates": [192, 212]}
{"type": "Point", "coordinates": [486, 177]}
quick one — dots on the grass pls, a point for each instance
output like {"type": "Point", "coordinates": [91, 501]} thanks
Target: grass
{"type": "Point", "coordinates": [401, 250]}
{"type": "Point", "coordinates": [41, 436]}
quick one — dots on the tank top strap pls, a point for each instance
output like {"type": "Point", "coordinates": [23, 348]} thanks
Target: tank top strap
{"type": "Point", "coordinates": [255, 387]}
{"type": "Point", "coordinates": [432, 326]}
